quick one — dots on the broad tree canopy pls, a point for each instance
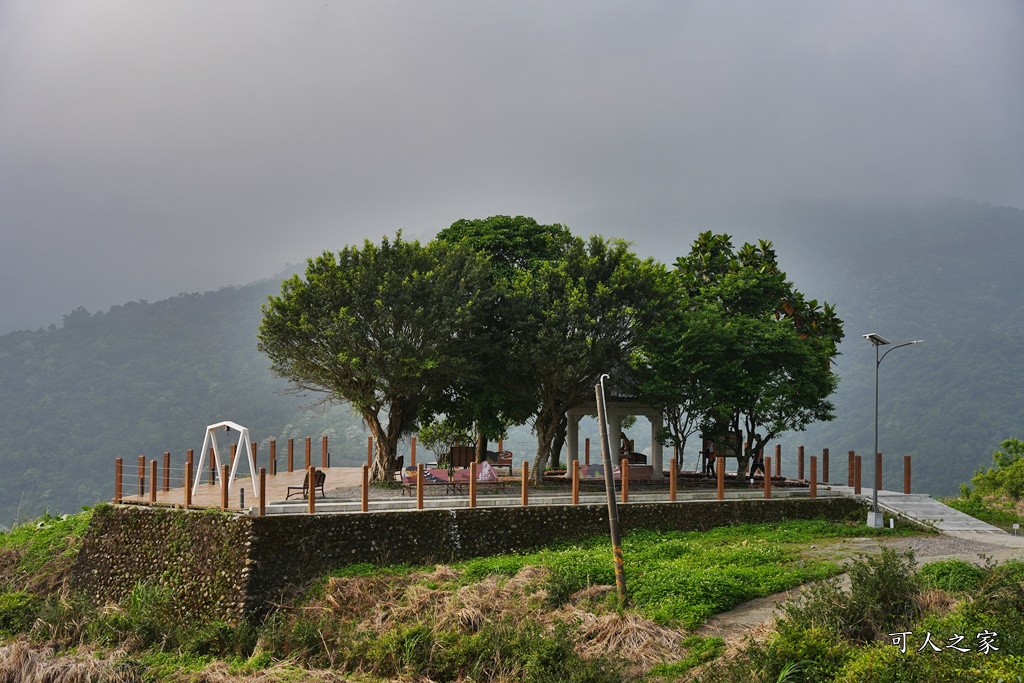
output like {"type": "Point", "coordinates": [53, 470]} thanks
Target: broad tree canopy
{"type": "Point", "coordinates": [383, 327]}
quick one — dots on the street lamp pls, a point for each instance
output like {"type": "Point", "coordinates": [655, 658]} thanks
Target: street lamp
{"type": "Point", "coordinates": [875, 517]}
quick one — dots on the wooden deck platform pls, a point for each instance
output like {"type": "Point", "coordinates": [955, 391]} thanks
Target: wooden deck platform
{"type": "Point", "coordinates": [208, 496]}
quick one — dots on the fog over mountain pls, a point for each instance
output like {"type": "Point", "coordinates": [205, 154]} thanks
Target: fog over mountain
{"type": "Point", "coordinates": [153, 148]}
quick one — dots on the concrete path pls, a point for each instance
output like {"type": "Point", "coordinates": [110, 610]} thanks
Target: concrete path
{"type": "Point", "coordinates": [924, 508]}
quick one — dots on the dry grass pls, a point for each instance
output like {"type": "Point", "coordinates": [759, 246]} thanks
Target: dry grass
{"type": "Point", "coordinates": [21, 663]}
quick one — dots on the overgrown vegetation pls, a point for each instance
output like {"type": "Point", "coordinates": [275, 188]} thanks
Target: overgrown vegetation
{"type": "Point", "coordinates": [994, 495]}
{"type": "Point", "coordinates": [895, 624]}
{"type": "Point", "coordinates": [543, 616]}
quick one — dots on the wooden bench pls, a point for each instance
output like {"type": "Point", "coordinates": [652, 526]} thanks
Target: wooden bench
{"type": "Point", "coordinates": [321, 479]}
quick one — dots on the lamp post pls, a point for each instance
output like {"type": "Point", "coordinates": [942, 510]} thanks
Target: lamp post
{"type": "Point", "coordinates": [875, 517]}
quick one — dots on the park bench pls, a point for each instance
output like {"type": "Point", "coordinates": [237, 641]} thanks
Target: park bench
{"type": "Point", "coordinates": [321, 479]}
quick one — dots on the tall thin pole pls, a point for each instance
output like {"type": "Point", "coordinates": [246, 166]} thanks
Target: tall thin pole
{"type": "Point", "coordinates": [609, 482]}
{"type": "Point", "coordinates": [874, 495]}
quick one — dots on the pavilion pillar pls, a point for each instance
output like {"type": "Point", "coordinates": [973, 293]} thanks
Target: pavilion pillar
{"type": "Point", "coordinates": [657, 454]}
{"type": "Point", "coordinates": [572, 438]}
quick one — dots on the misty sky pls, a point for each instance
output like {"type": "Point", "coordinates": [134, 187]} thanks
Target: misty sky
{"type": "Point", "coordinates": [150, 148]}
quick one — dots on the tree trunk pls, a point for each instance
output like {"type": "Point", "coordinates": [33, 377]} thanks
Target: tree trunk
{"type": "Point", "coordinates": [481, 446]}
{"type": "Point", "coordinates": [545, 426]}
{"type": "Point", "coordinates": [559, 441]}
{"type": "Point", "coordinates": [385, 446]}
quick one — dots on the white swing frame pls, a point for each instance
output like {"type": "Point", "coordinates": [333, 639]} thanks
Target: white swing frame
{"type": "Point", "coordinates": [243, 443]}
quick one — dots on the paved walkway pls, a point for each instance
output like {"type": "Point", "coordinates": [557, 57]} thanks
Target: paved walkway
{"type": "Point", "coordinates": [924, 508]}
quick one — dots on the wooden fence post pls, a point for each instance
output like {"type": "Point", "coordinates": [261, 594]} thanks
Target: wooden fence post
{"type": "Point", "coordinates": [234, 454]}
{"type": "Point", "coordinates": [323, 451]}
{"type": "Point", "coordinates": [273, 456]}
{"type": "Point", "coordinates": [575, 482]}
{"type": "Point", "coordinates": [419, 486]}
{"type": "Point", "coordinates": [190, 463]}
{"type": "Point", "coordinates": [878, 471]}
{"type": "Point", "coordinates": [824, 465]}
{"type": "Point", "coordinates": [311, 491]}
{"type": "Point", "coordinates": [152, 482]}
{"type": "Point", "coordinates": [118, 473]}
{"type": "Point", "coordinates": [369, 451]}
{"type": "Point", "coordinates": [906, 474]}
{"type": "Point", "coordinates": [778, 461]}
{"type": "Point", "coordinates": [167, 471]}
{"type": "Point", "coordinates": [255, 458]}
{"type": "Point", "coordinates": [263, 492]}
{"type": "Point", "coordinates": [224, 487]}
{"type": "Point", "coordinates": [852, 469]}
{"type": "Point", "coordinates": [309, 453]}
{"type": "Point", "coordinates": [624, 475]}
{"type": "Point", "coordinates": [472, 484]}
{"type": "Point", "coordinates": [142, 475]}
{"type": "Point", "coordinates": [768, 476]}
{"type": "Point", "coordinates": [800, 463]}
{"type": "Point", "coordinates": [412, 452]}
{"type": "Point", "coordinates": [291, 455]}
{"type": "Point", "coordinates": [366, 489]}
{"type": "Point", "coordinates": [814, 476]}
{"type": "Point", "coordinates": [213, 468]}
{"type": "Point", "coordinates": [188, 485]}
{"type": "Point", "coordinates": [526, 483]}
{"type": "Point", "coordinates": [856, 474]}
{"type": "Point", "coordinates": [720, 463]}
{"type": "Point", "coordinates": [672, 473]}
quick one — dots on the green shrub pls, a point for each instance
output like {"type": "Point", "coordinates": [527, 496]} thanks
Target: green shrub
{"type": "Point", "coordinates": [955, 576]}
{"type": "Point", "coordinates": [18, 611]}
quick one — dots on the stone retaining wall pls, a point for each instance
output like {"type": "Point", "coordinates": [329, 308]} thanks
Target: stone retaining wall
{"type": "Point", "coordinates": [230, 567]}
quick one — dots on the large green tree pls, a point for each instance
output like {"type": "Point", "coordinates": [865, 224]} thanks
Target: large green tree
{"type": "Point", "coordinates": [750, 354]}
{"type": "Point", "coordinates": [585, 313]}
{"type": "Point", "coordinates": [496, 397]}
{"type": "Point", "coordinates": [384, 328]}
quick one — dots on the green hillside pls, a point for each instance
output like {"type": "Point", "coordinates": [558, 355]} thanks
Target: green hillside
{"type": "Point", "coordinates": [144, 378]}
{"type": "Point", "coordinates": [141, 379]}
{"type": "Point", "coordinates": [949, 274]}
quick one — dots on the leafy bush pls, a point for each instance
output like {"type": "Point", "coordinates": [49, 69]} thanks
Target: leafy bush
{"type": "Point", "coordinates": [17, 612]}
{"type": "Point", "coordinates": [955, 576]}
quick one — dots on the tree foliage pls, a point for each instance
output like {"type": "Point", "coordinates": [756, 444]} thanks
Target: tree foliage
{"type": "Point", "coordinates": [743, 350]}
{"type": "Point", "coordinates": [383, 328]}
{"type": "Point", "coordinates": [585, 313]}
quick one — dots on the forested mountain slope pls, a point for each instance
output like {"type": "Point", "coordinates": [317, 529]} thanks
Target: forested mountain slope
{"type": "Point", "coordinates": [147, 377]}
{"type": "Point", "coordinates": [950, 274]}
{"type": "Point", "coordinates": [141, 379]}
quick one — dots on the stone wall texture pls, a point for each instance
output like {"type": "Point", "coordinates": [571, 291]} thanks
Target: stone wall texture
{"type": "Point", "coordinates": [229, 567]}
